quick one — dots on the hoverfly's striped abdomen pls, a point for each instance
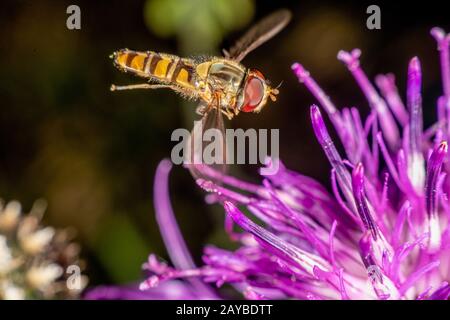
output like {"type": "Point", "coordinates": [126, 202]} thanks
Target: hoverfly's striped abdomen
{"type": "Point", "coordinates": [164, 68]}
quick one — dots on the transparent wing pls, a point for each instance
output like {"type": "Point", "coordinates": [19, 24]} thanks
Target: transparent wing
{"type": "Point", "coordinates": [259, 33]}
{"type": "Point", "coordinates": [206, 152]}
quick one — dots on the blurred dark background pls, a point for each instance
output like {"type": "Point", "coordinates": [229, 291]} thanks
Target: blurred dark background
{"type": "Point", "coordinates": [92, 153]}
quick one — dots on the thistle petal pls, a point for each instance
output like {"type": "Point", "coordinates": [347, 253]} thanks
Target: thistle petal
{"type": "Point", "coordinates": [416, 167]}
{"type": "Point", "coordinates": [433, 171]}
{"type": "Point", "coordinates": [390, 130]}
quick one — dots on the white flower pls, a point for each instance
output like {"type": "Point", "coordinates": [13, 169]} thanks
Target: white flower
{"type": "Point", "coordinates": [6, 259]}
{"type": "Point", "coordinates": [40, 277]}
{"type": "Point", "coordinates": [9, 215]}
{"type": "Point", "coordinates": [9, 291]}
{"type": "Point", "coordinates": [33, 257]}
{"type": "Point", "coordinates": [35, 242]}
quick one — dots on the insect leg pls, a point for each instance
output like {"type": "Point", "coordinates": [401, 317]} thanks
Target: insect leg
{"type": "Point", "coordinates": [140, 86]}
{"type": "Point", "coordinates": [201, 110]}
{"type": "Point", "coordinates": [228, 113]}
{"type": "Point", "coordinates": [225, 53]}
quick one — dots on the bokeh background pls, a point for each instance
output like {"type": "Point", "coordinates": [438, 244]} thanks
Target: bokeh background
{"type": "Point", "coordinates": [92, 153]}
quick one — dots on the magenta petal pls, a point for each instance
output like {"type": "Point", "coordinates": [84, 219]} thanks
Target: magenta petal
{"type": "Point", "coordinates": [170, 231]}
{"type": "Point", "coordinates": [390, 130]}
{"type": "Point", "coordinates": [323, 99]}
{"type": "Point", "coordinates": [432, 193]}
{"type": "Point", "coordinates": [332, 154]}
{"type": "Point", "coordinates": [386, 83]}
{"type": "Point", "coordinates": [275, 244]}
{"type": "Point", "coordinates": [443, 293]}
{"type": "Point", "coordinates": [361, 201]}
{"type": "Point", "coordinates": [443, 41]}
{"type": "Point", "coordinates": [414, 101]}
{"type": "Point", "coordinates": [171, 234]}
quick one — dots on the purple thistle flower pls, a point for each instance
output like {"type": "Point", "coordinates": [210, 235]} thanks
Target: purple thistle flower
{"type": "Point", "coordinates": [170, 290]}
{"type": "Point", "coordinates": [382, 233]}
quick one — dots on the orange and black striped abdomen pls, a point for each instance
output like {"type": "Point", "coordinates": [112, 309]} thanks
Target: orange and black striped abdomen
{"type": "Point", "coordinates": [161, 67]}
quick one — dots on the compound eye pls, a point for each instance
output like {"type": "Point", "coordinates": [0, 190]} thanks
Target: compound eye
{"type": "Point", "coordinates": [254, 93]}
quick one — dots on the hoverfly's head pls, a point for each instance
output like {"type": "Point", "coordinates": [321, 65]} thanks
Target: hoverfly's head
{"type": "Point", "coordinates": [253, 97]}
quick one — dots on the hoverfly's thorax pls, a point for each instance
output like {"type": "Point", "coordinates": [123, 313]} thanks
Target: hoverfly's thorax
{"type": "Point", "coordinates": [226, 74]}
{"type": "Point", "coordinates": [225, 78]}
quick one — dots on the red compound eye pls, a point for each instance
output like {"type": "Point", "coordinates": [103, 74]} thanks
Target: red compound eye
{"type": "Point", "coordinates": [258, 74]}
{"type": "Point", "coordinates": [254, 93]}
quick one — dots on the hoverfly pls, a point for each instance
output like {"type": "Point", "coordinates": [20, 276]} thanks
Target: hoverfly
{"type": "Point", "coordinates": [221, 84]}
